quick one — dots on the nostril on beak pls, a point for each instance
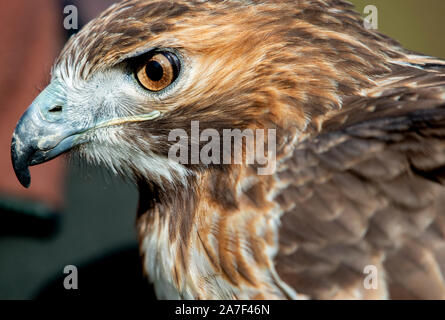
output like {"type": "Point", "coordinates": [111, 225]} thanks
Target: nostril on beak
{"type": "Point", "coordinates": [55, 109]}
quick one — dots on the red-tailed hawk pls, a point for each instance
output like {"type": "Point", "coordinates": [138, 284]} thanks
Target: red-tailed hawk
{"type": "Point", "coordinates": [356, 188]}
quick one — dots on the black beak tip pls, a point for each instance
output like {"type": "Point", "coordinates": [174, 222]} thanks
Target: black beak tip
{"type": "Point", "coordinates": [21, 169]}
{"type": "Point", "coordinates": [24, 177]}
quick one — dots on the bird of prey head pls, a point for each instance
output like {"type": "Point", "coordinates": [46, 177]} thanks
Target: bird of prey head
{"type": "Point", "coordinates": [359, 146]}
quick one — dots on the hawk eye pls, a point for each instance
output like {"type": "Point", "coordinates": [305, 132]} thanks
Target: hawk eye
{"type": "Point", "coordinates": [158, 71]}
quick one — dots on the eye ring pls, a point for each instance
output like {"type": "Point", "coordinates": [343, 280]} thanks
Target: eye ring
{"type": "Point", "coordinates": [159, 71]}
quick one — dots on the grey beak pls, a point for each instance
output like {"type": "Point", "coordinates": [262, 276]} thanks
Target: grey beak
{"type": "Point", "coordinates": [42, 133]}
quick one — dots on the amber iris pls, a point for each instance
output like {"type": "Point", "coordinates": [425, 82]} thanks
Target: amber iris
{"type": "Point", "coordinates": [159, 71]}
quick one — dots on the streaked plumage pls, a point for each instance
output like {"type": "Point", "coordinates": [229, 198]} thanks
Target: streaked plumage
{"type": "Point", "coordinates": [360, 158]}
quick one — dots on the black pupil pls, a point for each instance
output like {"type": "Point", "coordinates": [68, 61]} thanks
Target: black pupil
{"type": "Point", "coordinates": [154, 71]}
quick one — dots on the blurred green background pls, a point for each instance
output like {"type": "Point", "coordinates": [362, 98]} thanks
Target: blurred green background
{"type": "Point", "coordinates": [417, 25]}
{"type": "Point", "coordinates": [99, 216]}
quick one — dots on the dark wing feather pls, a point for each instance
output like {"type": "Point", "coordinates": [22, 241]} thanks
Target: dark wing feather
{"type": "Point", "coordinates": [368, 191]}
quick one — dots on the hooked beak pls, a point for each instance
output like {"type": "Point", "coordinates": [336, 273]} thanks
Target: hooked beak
{"type": "Point", "coordinates": [45, 131]}
{"type": "Point", "coordinates": [42, 133]}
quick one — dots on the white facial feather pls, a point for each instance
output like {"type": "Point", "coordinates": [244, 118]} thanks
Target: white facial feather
{"type": "Point", "coordinates": [110, 95]}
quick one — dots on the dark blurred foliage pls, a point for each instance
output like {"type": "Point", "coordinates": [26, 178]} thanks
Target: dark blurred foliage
{"type": "Point", "coordinates": [117, 275]}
